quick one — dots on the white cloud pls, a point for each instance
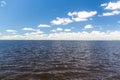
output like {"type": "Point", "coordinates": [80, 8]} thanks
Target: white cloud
{"type": "Point", "coordinates": [3, 3]}
{"type": "Point", "coordinates": [53, 30]}
{"type": "Point", "coordinates": [44, 25]}
{"type": "Point", "coordinates": [28, 29]}
{"type": "Point", "coordinates": [61, 21]}
{"type": "Point", "coordinates": [116, 12]}
{"type": "Point", "coordinates": [114, 8]}
{"type": "Point", "coordinates": [67, 30]}
{"type": "Point", "coordinates": [112, 5]}
{"type": "Point", "coordinates": [11, 31]}
{"type": "Point", "coordinates": [104, 4]}
{"type": "Point", "coordinates": [60, 29]}
{"type": "Point", "coordinates": [82, 15]}
{"type": "Point", "coordinates": [89, 26]}
{"type": "Point", "coordinates": [57, 29]}
{"type": "Point", "coordinates": [74, 17]}
{"type": "Point", "coordinates": [36, 32]}
{"type": "Point", "coordinates": [94, 35]}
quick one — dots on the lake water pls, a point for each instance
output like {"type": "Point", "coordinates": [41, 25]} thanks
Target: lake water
{"type": "Point", "coordinates": [59, 60]}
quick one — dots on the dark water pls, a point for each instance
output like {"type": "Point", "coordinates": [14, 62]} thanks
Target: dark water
{"type": "Point", "coordinates": [59, 60]}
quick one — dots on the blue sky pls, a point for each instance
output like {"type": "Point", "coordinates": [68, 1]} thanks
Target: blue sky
{"type": "Point", "coordinates": [60, 19]}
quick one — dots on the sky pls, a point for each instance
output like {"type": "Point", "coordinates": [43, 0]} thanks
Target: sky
{"type": "Point", "coordinates": [59, 19]}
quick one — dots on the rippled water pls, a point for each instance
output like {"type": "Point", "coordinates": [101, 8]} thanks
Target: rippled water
{"type": "Point", "coordinates": [59, 60]}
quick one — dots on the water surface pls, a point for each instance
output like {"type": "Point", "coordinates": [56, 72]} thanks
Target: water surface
{"type": "Point", "coordinates": [59, 60]}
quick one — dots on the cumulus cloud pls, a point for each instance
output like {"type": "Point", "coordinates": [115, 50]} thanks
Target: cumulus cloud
{"type": "Point", "coordinates": [57, 29]}
{"type": "Point", "coordinates": [61, 21]}
{"type": "Point", "coordinates": [113, 7]}
{"type": "Point", "coordinates": [116, 12]}
{"type": "Point", "coordinates": [53, 30]}
{"type": "Point", "coordinates": [74, 17]}
{"type": "Point", "coordinates": [44, 26]}
{"type": "Point", "coordinates": [28, 29]}
{"type": "Point", "coordinates": [36, 32]}
{"type": "Point", "coordinates": [67, 30]}
{"type": "Point", "coordinates": [104, 4]}
{"type": "Point", "coordinates": [93, 35]}
{"type": "Point", "coordinates": [89, 26]}
{"type": "Point", "coordinates": [11, 31]}
{"type": "Point", "coordinates": [3, 3]}
{"type": "Point", "coordinates": [60, 29]}
{"type": "Point", "coordinates": [81, 15]}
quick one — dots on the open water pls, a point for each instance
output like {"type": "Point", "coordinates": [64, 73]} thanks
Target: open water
{"type": "Point", "coordinates": [59, 60]}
